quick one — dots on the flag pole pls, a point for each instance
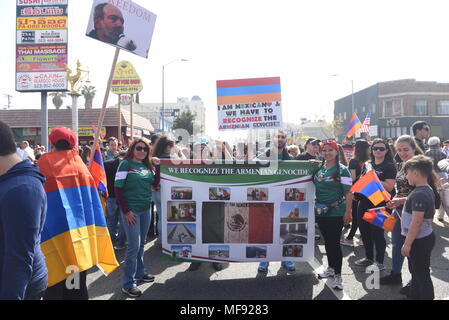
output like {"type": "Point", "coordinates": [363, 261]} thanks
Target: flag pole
{"type": "Point", "coordinates": [105, 102]}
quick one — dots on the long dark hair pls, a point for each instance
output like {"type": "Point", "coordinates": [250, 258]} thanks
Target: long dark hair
{"type": "Point", "coordinates": [425, 166]}
{"type": "Point", "coordinates": [360, 151]}
{"type": "Point", "coordinates": [162, 143]}
{"type": "Point", "coordinates": [388, 155]}
{"type": "Point", "coordinates": [130, 153]}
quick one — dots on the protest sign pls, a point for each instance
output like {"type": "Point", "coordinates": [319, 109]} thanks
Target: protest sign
{"type": "Point", "coordinates": [238, 213]}
{"type": "Point", "coordinates": [126, 80]}
{"type": "Point", "coordinates": [122, 24]}
{"type": "Point", "coordinates": [41, 45]}
{"type": "Point", "coordinates": [249, 104]}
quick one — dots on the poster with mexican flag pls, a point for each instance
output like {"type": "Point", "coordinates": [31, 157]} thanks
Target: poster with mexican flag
{"type": "Point", "coordinates": [238, 212]}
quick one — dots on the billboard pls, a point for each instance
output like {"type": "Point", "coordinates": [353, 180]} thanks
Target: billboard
{"type": "Point", "coordinates": [123, 24]}
{"type": "Point", "coordinates": [41, 45]}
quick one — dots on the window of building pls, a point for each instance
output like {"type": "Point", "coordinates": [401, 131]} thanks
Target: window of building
{"type": "Point", "coordinates": [443, 107]}
{"type": "Point", "coordinates": [393, 108]}
{"type": "Point", "coordinates": [421, 107]}
{"type": "Point", "coordinates": [345, 115]}
{"type": "Point", "coordinates": [373, 107]}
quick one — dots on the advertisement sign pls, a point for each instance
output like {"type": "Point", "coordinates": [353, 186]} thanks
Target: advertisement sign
{"type": "Point", "coordinates": [126, 80]}
{"type": "Point", "coordinates": [41, 37]}
{"type": "Point", "coordinates": [238, 213]}
{"type": "Point", "coordinates": [136, 133]}
{"type": "Point", "coordinates": [41, 23]}
{"type": "Point", "coordinates": [39, 11]}
{"type": "Point", "coordinates": [249, 104]}
{"type": "Point", "coordinates": [41, 2]}
{"type": "Point", "coordinates": [38, 81]}
{"type": "Point", "coordinates": [123, 24]}
{"type": "Point", "coordinates": [41, 49]}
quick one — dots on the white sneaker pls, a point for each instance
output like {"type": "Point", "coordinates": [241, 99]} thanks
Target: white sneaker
{"type": "Point", "coordinates": [363, 262]}
{"type": "Point", "coordinates": [379, 266]}
{"type": "Point", "coordinates": [329, 273]}
{"type": "Point", "coordinates": [338, 282]}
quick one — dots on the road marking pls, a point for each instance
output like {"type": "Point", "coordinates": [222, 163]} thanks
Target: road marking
{"type": "Point", "coordinates": [318, 268]}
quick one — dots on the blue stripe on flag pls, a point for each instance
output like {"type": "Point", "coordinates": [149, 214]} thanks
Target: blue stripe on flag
{"type": "Point", "coordinates": [71, 209]}
{"type": "Point", "coordinates": [240, 91]}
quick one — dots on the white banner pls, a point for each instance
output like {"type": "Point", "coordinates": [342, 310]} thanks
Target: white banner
{"type": "Point", "coordinates": [238, 213]}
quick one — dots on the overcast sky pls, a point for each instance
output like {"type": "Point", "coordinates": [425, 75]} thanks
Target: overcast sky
{"type": "Point", "coordinates": [303, 42]}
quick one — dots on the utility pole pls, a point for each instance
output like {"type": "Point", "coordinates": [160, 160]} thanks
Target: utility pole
{"type": "Point", "coordinates": [9, 97]}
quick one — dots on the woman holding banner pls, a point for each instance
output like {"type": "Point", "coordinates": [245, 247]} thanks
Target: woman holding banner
{"type": "Point", "coordinates": [133, 182]}
{"type": "Point", "coordinates": [373, 236]}
{"type": "Point", "coordinates": [333, 207]}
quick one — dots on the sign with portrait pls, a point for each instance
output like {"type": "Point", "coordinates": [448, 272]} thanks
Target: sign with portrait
{"type": "Point", "coordinates": [123, 24]}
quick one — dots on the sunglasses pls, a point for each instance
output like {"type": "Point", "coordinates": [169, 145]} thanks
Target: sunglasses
{"type": "Point", "coordinates": [379, 148]}
{"type": "Point", "coordinates": [281, 137]}
{"type": "Point", "coordinates": [139, 148]}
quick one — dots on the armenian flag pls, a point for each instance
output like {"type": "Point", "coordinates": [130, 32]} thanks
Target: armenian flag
{"type": "Point", "coordinates": [380, 218]}
{"type": "Point", "coordinates": [354, 125]}
{"type": "Point", "coordinates": [101, 137]}
{"type": "Point", "coordinates": [248, 91]}
{"type": "Point", "coordinates": [370, 186]}
{"type": "Point", "coordinates": [75, 231]}
{"type": "Point", "coordinates": [98, 172]}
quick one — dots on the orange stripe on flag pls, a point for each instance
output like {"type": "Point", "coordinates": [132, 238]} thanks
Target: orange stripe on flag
{"type": "Point", "coordinates": [266, 97]}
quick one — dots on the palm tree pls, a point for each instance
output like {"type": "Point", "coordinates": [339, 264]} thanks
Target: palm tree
{"type": "Point", "coordinates": [57, 99]}
{"type": "Point", "coordinates": [88, 92]}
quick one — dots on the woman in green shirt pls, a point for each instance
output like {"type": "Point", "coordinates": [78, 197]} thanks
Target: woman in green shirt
{"type": "Point", "coordinates": [133, 181]}
{"type": "Point", "coordinates": [333, 207]}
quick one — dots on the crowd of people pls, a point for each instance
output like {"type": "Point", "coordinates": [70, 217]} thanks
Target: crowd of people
{"type": "Point", "coordinates": [413, 172]}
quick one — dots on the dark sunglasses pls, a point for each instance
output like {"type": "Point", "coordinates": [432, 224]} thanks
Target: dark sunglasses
{"type": "Point", "coordinates": [281, 137]}
{"type": "Point", "coordinates": [139, 148]}
{"type": "Point", "coordinates": [379, 148]}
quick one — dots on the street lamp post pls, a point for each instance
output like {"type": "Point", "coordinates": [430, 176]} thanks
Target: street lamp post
{"type": "Point", "coordinates": [163, 92]}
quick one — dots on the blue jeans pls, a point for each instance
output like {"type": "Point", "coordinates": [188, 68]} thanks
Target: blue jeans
{"type": "Point", "coordinates": [136, 235]}
{"type": "Point", "coordinates": [157, 201]}
{"type": "Point", "coordinates": [397, 241]}
{"type": "Point", "coordinates": [112, 219]}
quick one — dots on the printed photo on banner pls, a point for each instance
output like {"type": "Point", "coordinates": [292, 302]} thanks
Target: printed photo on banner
{"type": "Point", "coordinates": [181, 193]}
{"type": "Point", "coordinates": [184, 252]}
{"type": "Point", "coordinates": [122, 23]}
{"type": "Point", "coordinates": [237, 222]}
{"type": "Point", "coordinates": [293, 233]}
{"type": "Point", "coordinates": [218, 193]}
{"type": "Point", "coordinates": [219, 252]}
{"type": "Point", "coordinates": [294, 194]}
{"type": "Point", "coordinates": [292, 251]}
{"type": "Point", "coordinates": [181, 211]}
{"type": "Point", "coordinates": [294, 212]}
{"type": "Point", "coordinates": [257, 194]}
{"type": "Point", "coordinates": [182, 233]}
{"type": "Point", "coordinates": [256, 252]}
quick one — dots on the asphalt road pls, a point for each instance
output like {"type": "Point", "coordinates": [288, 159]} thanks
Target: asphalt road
{"type": "Point", "coordinates": [241, 281]}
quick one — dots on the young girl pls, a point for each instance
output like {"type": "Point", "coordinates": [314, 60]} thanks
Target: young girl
{"type": "Point", "coordinates": [333, 207]}
{"type": "Point", "coordinates": [416, 226]}
{"type": "Point", "coordinates": [406, 148]}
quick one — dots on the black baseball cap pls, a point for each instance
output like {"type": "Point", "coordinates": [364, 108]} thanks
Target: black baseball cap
{"type": "Point", "coordinates": [312, 140]}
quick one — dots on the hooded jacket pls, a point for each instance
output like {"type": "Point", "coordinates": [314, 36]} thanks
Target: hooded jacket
{"type": "Point", "coordinates": [23, 206]}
